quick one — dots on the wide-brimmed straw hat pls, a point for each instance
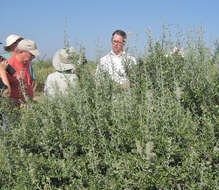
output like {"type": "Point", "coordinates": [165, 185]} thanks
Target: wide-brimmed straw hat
{"type": "Point", "coordinates": [62, 59]}
{"type": "Point", "coordinates": [28, 45]}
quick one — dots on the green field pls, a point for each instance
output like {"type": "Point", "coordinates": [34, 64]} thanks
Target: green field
{"type": "Point", "coordinates": [161, 134]}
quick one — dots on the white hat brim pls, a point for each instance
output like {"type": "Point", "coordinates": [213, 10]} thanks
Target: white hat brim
{"type": "Point", "coordinates": [35, 52]}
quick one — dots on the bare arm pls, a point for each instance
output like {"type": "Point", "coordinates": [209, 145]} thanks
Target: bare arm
{"type": "Point", "coordinates": [3, 76]}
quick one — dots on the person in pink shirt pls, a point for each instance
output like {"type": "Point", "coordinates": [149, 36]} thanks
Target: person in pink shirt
{"type": "Point", "coordinates": [10, 47]}
{"type": "Point", "coordinates": [26, 51]}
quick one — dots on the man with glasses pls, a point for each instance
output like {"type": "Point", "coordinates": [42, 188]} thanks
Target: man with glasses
{"type": "Point", "coordinates": [117, 62]}
{"type": "Point", "coordinates": [20, 81]}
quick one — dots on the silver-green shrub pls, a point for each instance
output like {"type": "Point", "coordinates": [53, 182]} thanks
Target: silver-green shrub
{"type": "Point", "coordinates": [160, 134]}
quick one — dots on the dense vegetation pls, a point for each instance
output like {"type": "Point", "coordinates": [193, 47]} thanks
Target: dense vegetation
{"type": "Point", "coordinates": [161, 134]}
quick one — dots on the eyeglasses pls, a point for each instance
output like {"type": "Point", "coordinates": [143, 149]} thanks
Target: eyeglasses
{"type": "Point", "coordinates": [117, 42]}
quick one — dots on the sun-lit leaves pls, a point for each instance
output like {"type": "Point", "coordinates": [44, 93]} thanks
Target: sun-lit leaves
{"type": "Point", "coordinates": [160, 134]}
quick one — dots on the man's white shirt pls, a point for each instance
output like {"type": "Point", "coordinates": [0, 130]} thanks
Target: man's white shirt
{"type": "Point", "coordinates": [115, 66]}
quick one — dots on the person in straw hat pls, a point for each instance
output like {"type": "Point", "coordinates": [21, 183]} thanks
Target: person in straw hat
{"type": "Point", "coordinates": [10, 46]}
{"type": "Point", "coordinates": [26, 51]}
{"type": "Point", "coordinates": [64, 78]}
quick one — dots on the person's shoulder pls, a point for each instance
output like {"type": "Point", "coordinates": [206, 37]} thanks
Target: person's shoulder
{"type": "Point", "coordinates": [105, 60]}
{"type": "Point", "coordinates": [105, 57]}
{"type": "Point", "coordinates": [102, 63]}
{"type": "Point", "coordinates": [131, 57]}
{"type": "Point", "coordinates": [102, 59]}
{"type": "Point", "coordinates": [52, 76]}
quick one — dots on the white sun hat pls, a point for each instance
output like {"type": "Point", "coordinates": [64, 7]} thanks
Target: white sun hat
{"type": "Point", "coordinates": [28, 45]}
{"type": "Point", "coordinates": [61, 59]}
{"type": "Point", "coordinates": [11, 39]}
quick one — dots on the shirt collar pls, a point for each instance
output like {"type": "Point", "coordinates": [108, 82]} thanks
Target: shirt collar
{"type": "Point", "coordinates": [112, 53]}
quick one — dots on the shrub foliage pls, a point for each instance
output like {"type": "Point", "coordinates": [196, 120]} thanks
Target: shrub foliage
{"type": "Point", "coordinates": [160, 134]}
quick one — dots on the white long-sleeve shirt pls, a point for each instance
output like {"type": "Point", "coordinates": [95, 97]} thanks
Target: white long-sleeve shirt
{"type": "Point", "coordinates": [115, 65]}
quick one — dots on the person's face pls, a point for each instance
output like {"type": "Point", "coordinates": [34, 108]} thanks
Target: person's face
{"type": "Point", "coordinates": [27, 57]}
{"type": "Point", "coordinates": [13, 47]}
{"type": "Point", "coordinates": [117, 44]}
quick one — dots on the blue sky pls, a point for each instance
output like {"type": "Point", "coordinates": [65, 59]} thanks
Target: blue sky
{"type": "Point", "coordinates": [91, 22]}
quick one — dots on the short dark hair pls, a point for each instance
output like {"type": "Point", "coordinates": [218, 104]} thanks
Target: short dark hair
{"type": "Point", "coordinates": [120, 33]}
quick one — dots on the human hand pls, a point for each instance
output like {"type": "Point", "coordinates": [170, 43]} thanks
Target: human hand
{"type": "Point", "coordinates": [33, 84]}
{"type": "Point", "coordinates": [3, 65]}
{"type": "Point", "coordinates": [73, 70]}
{"type": "Point", "coordinates": [7, 92]}
{"type": "Point", "coordinates": [125, 85]}
{"type": "Point", "coordinates": [4, 78]}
